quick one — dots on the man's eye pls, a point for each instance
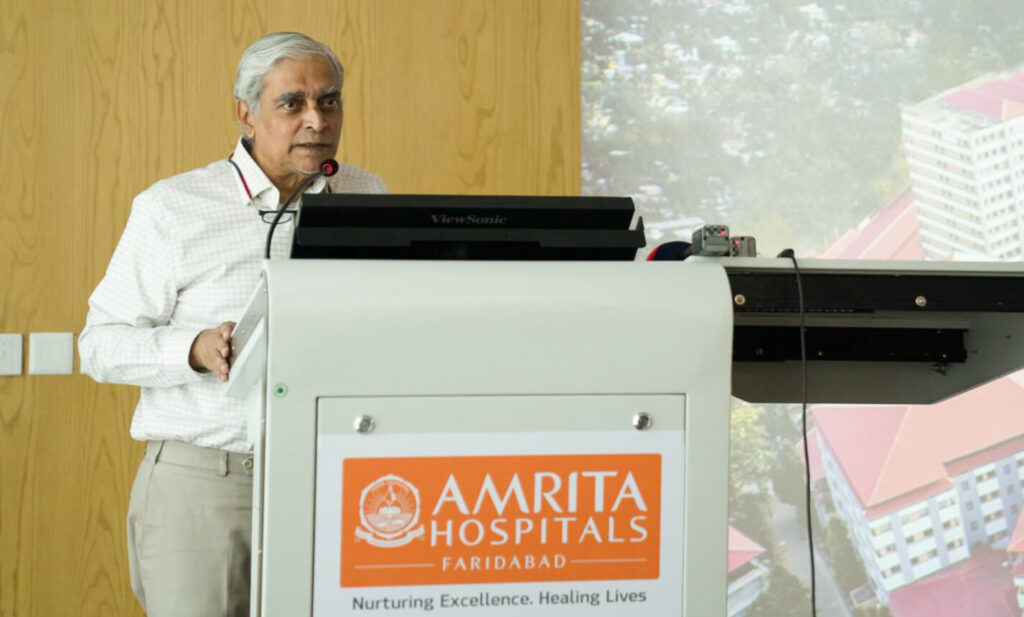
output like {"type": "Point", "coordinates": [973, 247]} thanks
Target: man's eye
{"type": "Point", "coordinates": [290, 104]}
{"type": "Point", "coordinates": [332, 103]}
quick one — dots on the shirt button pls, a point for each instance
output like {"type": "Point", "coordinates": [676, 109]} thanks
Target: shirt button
{"type": "Point", "coordinates": [247, 464]}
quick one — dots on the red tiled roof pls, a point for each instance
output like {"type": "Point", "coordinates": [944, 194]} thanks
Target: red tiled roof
{"type": "Point", "coordinates": [814, 451]}
{"type": "Point", "coordinates": [741, 549]}
{"type": "Point", "coordinates": [976, 587]}
{"type": "Point", "coordinates": [892, 233]}
{"type": "Point", "coordinates": [1004, 89]}
{"type": "Point", "coordinates": [893, 456]}
{"type": "Point", "coordinates": [977, 459]}
{"type": "Point", "coordinates": [979, 102]}
{"type": "Point", "coordinates": [860, 437]}
{"type": "Point", "coordinates": [1000, 99]}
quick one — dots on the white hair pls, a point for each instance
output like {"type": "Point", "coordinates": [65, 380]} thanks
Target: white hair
{"type": "Point", "coordinates": [266, 52]}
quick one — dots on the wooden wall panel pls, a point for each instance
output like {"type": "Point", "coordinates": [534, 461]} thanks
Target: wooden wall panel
{"type": "Point", "coordinates": [100, 99]}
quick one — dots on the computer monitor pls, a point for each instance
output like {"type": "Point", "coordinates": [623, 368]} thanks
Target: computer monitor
{"type": "Point", "coordinates": [383, 226]}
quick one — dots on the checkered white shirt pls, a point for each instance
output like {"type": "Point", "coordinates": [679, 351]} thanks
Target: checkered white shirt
{"type": "Point", "coordinates": [189, 259]}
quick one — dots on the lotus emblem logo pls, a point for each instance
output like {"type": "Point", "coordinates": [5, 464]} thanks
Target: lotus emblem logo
{"type": "Point", "coordinates": [389, 510]}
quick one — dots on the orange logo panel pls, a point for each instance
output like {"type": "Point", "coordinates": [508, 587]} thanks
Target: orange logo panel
{"type": "Point", "coordinates": [500, 519]}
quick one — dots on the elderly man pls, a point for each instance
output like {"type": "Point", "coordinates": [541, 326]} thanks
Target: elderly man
{"type": "Point", "coordinates": [160, 319]}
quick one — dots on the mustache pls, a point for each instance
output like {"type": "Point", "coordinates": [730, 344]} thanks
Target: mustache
{"type": "Point", "coordinates": [312, 139]}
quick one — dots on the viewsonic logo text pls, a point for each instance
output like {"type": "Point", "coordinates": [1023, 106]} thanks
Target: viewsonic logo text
{"type": "Point", "coordinates": [468, 219]}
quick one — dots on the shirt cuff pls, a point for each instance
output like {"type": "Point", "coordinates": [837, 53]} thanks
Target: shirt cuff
{"type": "Point", "coordinates": [177, 347]}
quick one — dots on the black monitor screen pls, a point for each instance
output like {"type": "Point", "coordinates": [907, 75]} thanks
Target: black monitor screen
{"type": "Point", "coordinates": [382, 226]}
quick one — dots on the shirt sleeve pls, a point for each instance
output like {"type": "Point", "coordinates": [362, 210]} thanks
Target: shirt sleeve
{"type": "Point", "coordinates": [378, 185]}
{"type": "Point", "coordinates": [128, 338]}
{"type": "Point", "coordinates": [352, 179]}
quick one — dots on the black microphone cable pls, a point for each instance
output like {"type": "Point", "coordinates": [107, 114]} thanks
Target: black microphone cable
{"type": "Point", "coordinates": [328, 167]}
{"type": "Point", "coordinates": [803, 420]}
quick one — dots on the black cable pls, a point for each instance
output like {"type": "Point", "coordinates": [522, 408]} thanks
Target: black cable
{"type": "Point", "coordinates": [803, 420]}
{"type": "Point", "coordinates": [328, 167]}
{"type": "Point", "coordinates": [284, 205]}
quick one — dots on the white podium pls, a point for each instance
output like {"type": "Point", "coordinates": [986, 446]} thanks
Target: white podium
{"type": "Point", "coordinates": [543, 438]}
{"type": "Point", "coordinates": [551, 438]}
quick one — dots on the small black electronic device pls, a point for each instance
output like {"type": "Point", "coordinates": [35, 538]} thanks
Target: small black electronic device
{"type": "Point", "coordinates": [711, 241]}
{"type": "Point", "coordinates": [742, 246]}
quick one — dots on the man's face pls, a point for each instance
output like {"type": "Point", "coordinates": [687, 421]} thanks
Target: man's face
{"type": "Point", "coordinates": [299, 121]}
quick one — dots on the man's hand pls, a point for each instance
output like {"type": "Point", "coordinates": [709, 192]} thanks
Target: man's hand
{"type": "Point", "coordinates": [211, 350]}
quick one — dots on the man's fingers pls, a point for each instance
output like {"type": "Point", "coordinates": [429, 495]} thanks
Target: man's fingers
{"type": "Point", "coordinates": [211, 350]}
{"type": "Point", "coordinates": [224, 349]}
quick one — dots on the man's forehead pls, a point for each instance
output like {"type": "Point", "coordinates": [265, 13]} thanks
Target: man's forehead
{"type": "Point", "coordinates": [312, 77]}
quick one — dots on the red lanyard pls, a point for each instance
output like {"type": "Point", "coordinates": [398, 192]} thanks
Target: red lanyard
{"type": "Point", "coordinates": [241, 177]}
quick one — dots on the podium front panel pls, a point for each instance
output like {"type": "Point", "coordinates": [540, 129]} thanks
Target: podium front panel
{"type": "Point", "coordinates": [539, 505]}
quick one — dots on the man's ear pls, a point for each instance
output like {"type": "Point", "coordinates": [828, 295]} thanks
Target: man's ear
{"type": "Point", "coordinates": [245, 118]}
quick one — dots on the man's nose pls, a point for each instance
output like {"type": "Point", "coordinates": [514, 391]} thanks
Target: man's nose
{"type": "Point", "coordinates": [314, 119]}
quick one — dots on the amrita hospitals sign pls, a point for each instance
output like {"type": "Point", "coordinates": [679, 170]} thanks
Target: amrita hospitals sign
{"type": "Point", "coordinates": [514, 532]}
{"type": "Point", "coordinates": [500, 519]}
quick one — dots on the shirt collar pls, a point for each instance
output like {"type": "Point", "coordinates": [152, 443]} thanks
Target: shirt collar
{"type": "Point", "coordinates": [259, 185]}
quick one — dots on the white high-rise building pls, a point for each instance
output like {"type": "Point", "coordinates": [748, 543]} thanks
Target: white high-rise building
{"type": "Point", "coordinates": [965, 151]}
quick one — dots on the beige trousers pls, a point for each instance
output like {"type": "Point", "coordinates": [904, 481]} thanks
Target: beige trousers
{"type": "Point", "coordinates": [189, 531]}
